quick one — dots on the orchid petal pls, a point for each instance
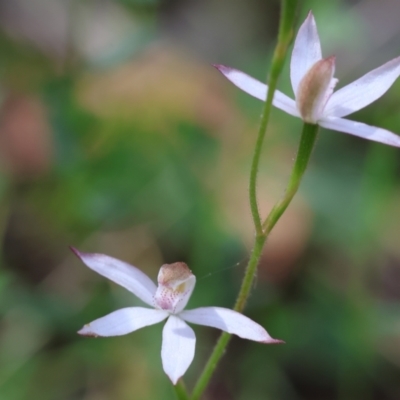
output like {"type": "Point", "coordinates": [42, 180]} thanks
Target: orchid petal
{"type": "Point", "coordinates": [178, 347]}
{"type": "Point", "coordinates": [122, 273]}
{"type": "Point", "coordinates": [306, 51]}
{"type": "Point", "coordinates": [362, 130]}
{"type": "Point", "coordinates": [123, 321]}
{"type": "Point", "coordinates": [257, 89]}
{"type": "Point", "coordinates": [229, 321]}
{"type": "Point", "coordinates": [363, 91]}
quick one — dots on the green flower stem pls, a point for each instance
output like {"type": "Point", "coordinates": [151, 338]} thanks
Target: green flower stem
{"type": "Point", "coordinates": [180, 391]}
{"type": "Point", "coordinates": [223, 340]}
{"type": "Point", "coordinates": [210, 366]}
{"type": "Point", "coordinates": [307, 141]}
{"type": "Point", "coordinates": [250, 273]}
{"type": "Point", "coordinates": [285, 36]}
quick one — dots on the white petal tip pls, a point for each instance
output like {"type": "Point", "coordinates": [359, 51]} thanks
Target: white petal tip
{"type": "Point", "coordinates": [310, 15]}
{"type": "Point", "coordinates": [76, 251]}
{"type": "Point", "coordinates": [310, 21]}
{"type": "Point", "coordinates": [73, 249]}
{"type": "Point", "coordinates": [86, 331]}
{"type": "Point", "coordinates": [222, 68]}
{"type": "Point", "coordinates": [84, 257]}
{"type": "Point", "coordinates": [81, 254]}
{"type": "Point", "coordinates": [273, 341]}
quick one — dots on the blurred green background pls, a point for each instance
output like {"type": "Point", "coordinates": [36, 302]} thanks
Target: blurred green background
{"type": "Point", "coordinates": [118, 137]}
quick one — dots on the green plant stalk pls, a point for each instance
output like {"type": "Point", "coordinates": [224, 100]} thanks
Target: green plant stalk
{"type": "Point", "coordinates": [180, 391]}
{"type": "Point", "coordinates": [307, 142]}
{"type": "Point", "coordinates": [223, 340]}
{"type": "Point", "coordinates": [285, 36]}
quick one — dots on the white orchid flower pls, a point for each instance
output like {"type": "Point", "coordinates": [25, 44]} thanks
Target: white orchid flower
{"type": "Point", "coordinates": [313, 83]}
{"type": "Point", "coordinates": [175, 285]}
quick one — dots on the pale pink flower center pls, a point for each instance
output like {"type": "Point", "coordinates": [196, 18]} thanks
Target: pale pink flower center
{"type": "Point", "coordinates": [175, 285]}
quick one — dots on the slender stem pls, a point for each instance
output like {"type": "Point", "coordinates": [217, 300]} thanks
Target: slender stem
{"type": "Point", "coordinates": [225, 337]}
{"type": "Point", "coordinates": [212, 362]}
{"type": "Point", "coordinates": [307, 142]}
{"type": "Point", "coordinates": [180, 391]}
{"type": "Point", "coordinates": [250, 273]}
{"type": "Point", "coordinates": [306, 146]}
{"type": "Point", "coordinates": [284, 39]}
{"type": "Point", "coordinates": [285, 36]}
